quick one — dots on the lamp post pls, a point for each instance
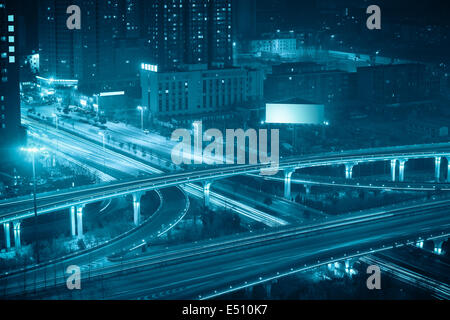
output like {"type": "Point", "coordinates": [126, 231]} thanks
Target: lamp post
{"type": "Point", "coordinates": [33, 151]}
{"type": "Point", "coordinates": [103, 139]}
{"type": "Point", "coordinates": [54, 115]}
{"type": "Point", "coordinates": [141, 109]}
{"type": "Point", "coordinates": [198, 152]}
{"type": "Point", "coordinates": [103, 143]}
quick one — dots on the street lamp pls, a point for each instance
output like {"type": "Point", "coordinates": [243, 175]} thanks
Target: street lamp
{"type": "Point", "coordinates": [33, 151]}
{"type": "Point", "coordinates": [197, 142]}
{"type": "Point", "coordinates": [103, 142]}
{"type": "Point", "coordinates": [54, 115]}
{"type": "Point", "coordinates": [141, 109]}
{"type": "Point", "coordinates": [103, 139]}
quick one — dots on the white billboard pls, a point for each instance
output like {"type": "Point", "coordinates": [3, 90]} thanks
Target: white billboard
{"type": "Point", "coordinates": [295, 113]}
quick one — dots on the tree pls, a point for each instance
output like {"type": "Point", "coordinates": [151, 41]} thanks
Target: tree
{"type": "Point", "coordinates": [268, 201]}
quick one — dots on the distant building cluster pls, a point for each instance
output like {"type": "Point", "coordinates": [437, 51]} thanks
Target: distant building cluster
{"type": "Point", "coordinates": [391, 85]}
{"type": "Point", "coordinates": [282, 47]}
{"type": "Point", "coordinates": [117, 35]}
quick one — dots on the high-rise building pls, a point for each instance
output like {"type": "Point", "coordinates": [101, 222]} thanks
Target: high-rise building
{"type": "Point", "coordinates": [221, 43]}
{"type": "Point", "coordinates": [184, 32]}
{"type": "Point", "coordinates": [88, 54]}
{"type": "Point", "coordinates": [10, 130]}
{"type": "Point", "coordinates": [244, 18]}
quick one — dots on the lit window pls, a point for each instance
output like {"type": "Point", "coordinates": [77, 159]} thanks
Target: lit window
{"type": "Point", "coordinates": [10, 28]}
{"type": "Point", "coordinates": [11, 39]}
{"type": "Point", "coordinates": [12, 49]}
{"type": "Point", "coordinates": [11, 18]}
{"type": "Point", "coordinates": [12, 59]}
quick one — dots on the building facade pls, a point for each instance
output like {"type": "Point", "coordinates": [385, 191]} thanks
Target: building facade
{"type": "Point", "coordinates": [199, 90]}
{"type": "Point", "coordinates": [283, 47]}
{"type": "Point", "coordinates": [10, 128]}
{"type": "Point", "coordinates": [189, 32]}
{"type": "Point", "coordinates": [311, 83]}
{"type": "Point", "coordinates": [92, 54]}
{"type": "Point", "coordinates": [394, 85]}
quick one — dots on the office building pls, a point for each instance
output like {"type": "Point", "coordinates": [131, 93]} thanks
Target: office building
{"type": "Point", "coordinates": [310, 82]}
{"type": "Point", "coordinates": [199, 90]}
{"type": "Point", "coordinates": [394, 85]}
{"type": "Point", "coordinates": [189, 32]}
{"type": "Point", "coordinates": [10, 128]}
{"type": "Point", "coordinates": [91, 54]}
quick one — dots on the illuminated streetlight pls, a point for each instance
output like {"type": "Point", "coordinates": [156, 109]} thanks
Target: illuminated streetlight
{"type": "Point", "coordinates": [103, 139]}
{"type": "Point", "coordinates": [33, 151]}
{"type": "Point", "coordinates": [103, 142]}
{"type": "Point", "coordinates": [54, 115]}
{"type": "Point", "coordinates": [141, 109]}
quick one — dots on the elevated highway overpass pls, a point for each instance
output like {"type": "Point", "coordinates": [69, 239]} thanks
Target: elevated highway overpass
{"type": "Point", "coordinates": [15, 210]}
{"type": "Point", "coordinates": [216, 267]}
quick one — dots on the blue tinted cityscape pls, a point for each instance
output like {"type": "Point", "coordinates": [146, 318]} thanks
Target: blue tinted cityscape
{"type": "Point", "coordinates": [245, 150]}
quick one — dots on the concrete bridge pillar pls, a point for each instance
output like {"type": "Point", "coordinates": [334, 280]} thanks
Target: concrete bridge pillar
{"type": "Point", "coordinates": [72, 221]}
{"type": "Point", "coordinates": [307, 189]}
{"type": "Point", "coordinates": [137, 207]}
{"type": "Point", "coordinates": [349, 170]}
{"type": "Point", "coordinates": [348, 265]}
{"type": "Point", "coordinates": [268, 287]}
{"type": "Point", "coordinates": [448, 169]}
{"type": "Point", "coordinates": [401, 170]}
{"type": "Point", "coordinates": [6, 229]}
{"type": "Point", "coordinates": [16, 226]}
{"type": "Point", "coordinates": [438, 246]}
{"type": "Point", "coordinates": [393, 168]}
{"type": "Point", "coordinates": [287, 183]}
{"type": "Point", "coordinates": [419, 244]}
{"type": "Point", "coordinates": [437, 168]}
{"type": "Point", "coordinates": [206, 192]}
{"type": "Point", "coordinates": [80, 221]}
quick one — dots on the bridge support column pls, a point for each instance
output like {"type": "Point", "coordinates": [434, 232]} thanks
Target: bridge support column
{"type": "Point", "coordinates": [349, 266]}
{"type": "Point", "coordinates": [349, 170]}
{"type": "Point", "coordinates": [6, 229]}
{"type": "Point", "coordinates": [448, 170]}
{"type": "Point", "coordinates": [437, 168]}
{"type": "Point", "coordinates": [72, 221]}
{"type": "Point", "coordinates": [401, 170]}
{"type": "Point", "coordinates": [438, 246]}
{"type": "Point", "coordinates": [419, 244]}
{"type": "Point", "coordinates": [16, 226]}
{"type": "Point", "coordinates": [287, 183]}
{"type": "Point", "coordinates": [307, 189]}
{"type": "Point", "coordinates": [393, 168]}
{"type": "Point", "coordinates": [137, 208]}
{"type": "Point", "coordinates": [206, 191]}
{"type": "Point", "coordinates": [268, 290]}
{"type": "Point", "coordinates": [80, 221]}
